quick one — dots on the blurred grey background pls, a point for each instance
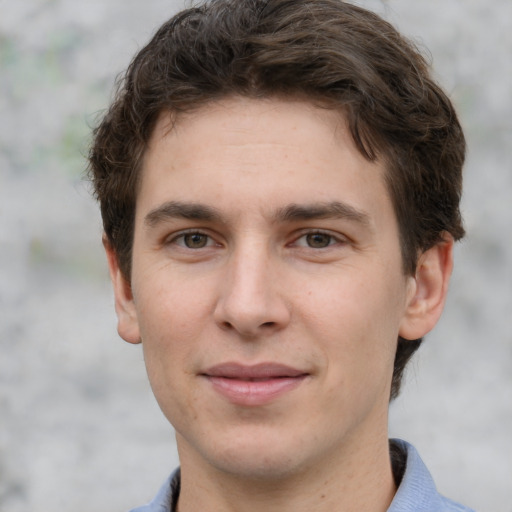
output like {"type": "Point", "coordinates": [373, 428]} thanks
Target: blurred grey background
{"type": "Point", "coordinates": [79, 428]}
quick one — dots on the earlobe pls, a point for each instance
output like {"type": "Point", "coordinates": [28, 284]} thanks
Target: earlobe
{"type": "Point", "coordinates": [429, 288]}
{"type": "Point", "coordinates": [127, 322]}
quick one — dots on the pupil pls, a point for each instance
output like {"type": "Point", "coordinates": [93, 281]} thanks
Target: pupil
{"type": "Point", "coordinates": [195, 240]}
{"type": "Point", "coordinates": [318, 240]}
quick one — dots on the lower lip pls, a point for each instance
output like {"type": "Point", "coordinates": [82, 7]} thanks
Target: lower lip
{"type": "Point", "coordinates": [252, 393]}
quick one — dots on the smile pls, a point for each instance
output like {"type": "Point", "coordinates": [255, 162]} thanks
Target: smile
{"type": "Point", "coordinates": [253, 385]}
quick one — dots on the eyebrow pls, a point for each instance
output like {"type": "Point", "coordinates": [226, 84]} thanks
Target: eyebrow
{"type": "Point", "coordinates": [331, 210]}
{"type": "Point", "coordinates": [290, 213]}
{"type": "Point", "coordinates": [180, 210]}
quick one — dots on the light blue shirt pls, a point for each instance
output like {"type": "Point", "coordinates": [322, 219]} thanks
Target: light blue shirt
{"type": "Point", "coordinates": [416, 492]}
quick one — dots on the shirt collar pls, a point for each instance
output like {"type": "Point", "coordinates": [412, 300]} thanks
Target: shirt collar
{"type": "Point", "coordinates": [416, 492]}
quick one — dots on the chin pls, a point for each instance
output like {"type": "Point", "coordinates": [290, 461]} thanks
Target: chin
{"type": "Point", "coordinates": [269, 458]}
{"type": "Point", "coordinates": [260, 466]}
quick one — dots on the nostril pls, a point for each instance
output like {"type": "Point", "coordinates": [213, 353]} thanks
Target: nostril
{"type": "Point", "coordinates": [227, 325]}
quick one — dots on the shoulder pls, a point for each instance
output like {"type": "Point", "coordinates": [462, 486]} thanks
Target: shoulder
{"type": "Point", "coordinates": [417, 491]}
{"type": "Point", "coordinates": [166, 498]}
{"type": "Point", "coordinates": [451, 506]}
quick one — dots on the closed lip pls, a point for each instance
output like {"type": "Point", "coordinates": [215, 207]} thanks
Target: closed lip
{"type": "Point", "coordinates": [253, 385]}
{"type": "Point", "coordinates": [261, 371]}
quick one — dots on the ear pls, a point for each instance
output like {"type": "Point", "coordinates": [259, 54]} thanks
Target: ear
{"type": "Point", "coordinates": [428, 289]}
{"type": "Point", "coordinates": [127, 323]}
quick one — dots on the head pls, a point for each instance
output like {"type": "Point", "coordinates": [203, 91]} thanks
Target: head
{"type": "Point", "coordinates": [328, 53]}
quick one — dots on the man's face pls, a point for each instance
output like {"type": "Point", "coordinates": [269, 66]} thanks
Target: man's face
{"type": "Point", "coordinates": [267, 286]}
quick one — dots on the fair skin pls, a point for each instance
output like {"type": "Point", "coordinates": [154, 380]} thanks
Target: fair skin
{"type": "Point", "coordinates": [268, 292]}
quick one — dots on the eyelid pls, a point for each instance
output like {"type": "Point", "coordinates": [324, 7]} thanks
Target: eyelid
{"type": "Point", "coordinates": [337, 237]}
{"type": "Point", "coordinates": [180, 235]}
{"type": "Point", "coordinates": [172, 238]}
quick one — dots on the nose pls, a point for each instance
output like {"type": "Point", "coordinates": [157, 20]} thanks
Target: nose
{"type": "Point", "coordinates": [251, 300]}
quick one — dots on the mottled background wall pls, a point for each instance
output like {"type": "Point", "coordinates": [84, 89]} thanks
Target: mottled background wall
{"type": "Point", "coordinates": [79, 429]}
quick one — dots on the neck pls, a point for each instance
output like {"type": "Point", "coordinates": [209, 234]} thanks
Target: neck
{"type": "Point", "coordinates": [358, 479]}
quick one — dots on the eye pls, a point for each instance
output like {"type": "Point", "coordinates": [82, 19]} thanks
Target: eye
{"type": "Point", "coordinates": [193, 240]}
{"type": "Point", "coordinates": [316, 240]}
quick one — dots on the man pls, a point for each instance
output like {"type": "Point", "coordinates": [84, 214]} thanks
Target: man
{"type": "Point", "coordinates": [279, 183]}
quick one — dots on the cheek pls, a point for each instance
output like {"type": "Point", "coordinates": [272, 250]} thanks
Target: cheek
{"type": "Point", "coordinates": [169, 327]}
{"type": "Point", "coordinates": [170, 320]}
{"type": "Point", "coordinates": [169, 306]}
{"type": "Point", "coordinates": [355, 319]}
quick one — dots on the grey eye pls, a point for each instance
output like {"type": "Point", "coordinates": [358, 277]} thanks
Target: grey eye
{"type": "Point", "coordinates": [318, 240]}
{"type": "Point", "coordinates": [195, 240]}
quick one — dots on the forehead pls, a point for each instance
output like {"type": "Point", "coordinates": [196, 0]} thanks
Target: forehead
{"type": "Point", "coordinates": [243, 116]}
{"type": "Point", "coordinates": [277, 150]}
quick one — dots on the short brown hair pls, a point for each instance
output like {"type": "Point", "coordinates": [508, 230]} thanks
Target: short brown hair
{"type": "Point", "coordinates": [329, 52]}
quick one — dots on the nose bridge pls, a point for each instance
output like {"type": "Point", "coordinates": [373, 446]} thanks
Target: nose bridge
{"type": "Point", "coordinates": [251, 300]}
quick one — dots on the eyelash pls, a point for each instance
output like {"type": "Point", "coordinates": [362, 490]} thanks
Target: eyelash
{"type": "Point", "coordinates": [180, 239]}
{"type": "Point", "coordinates": [332, 239]}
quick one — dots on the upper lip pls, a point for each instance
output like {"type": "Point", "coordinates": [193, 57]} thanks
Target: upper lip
{"type": "Point", "coordinates": [239, 371]}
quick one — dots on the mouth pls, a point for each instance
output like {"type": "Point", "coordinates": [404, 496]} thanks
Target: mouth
{"type": "Point", "coordinates": [253, 385]}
